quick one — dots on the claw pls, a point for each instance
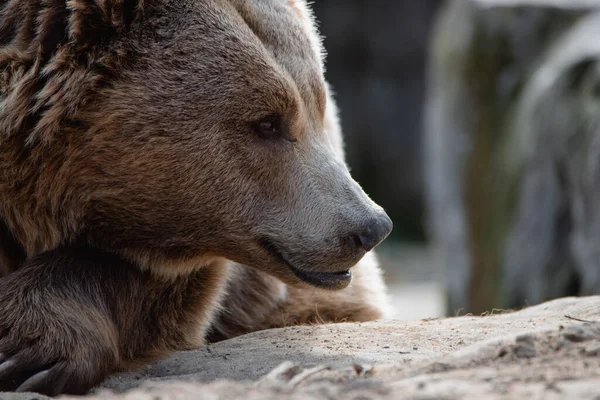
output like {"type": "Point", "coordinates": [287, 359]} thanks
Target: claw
{"type": "Point", "coordinates": [34, 383]}
{"type": "Point", "coordinates": [6, 368]}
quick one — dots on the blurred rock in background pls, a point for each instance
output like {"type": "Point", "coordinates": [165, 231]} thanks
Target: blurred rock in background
{"type": "Point", "coordinates": [513, 151]}
{"type": "Point", "coordinates": [553, 246]}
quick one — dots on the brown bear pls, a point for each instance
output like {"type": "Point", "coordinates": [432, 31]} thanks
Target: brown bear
{"type": "Point", "coordinates": [167, 169]}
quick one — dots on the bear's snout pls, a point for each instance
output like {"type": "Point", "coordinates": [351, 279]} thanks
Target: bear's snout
{"type": "Point", "coordinates": [372, 232]}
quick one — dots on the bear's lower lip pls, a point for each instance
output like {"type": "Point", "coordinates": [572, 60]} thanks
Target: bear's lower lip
{"type": "Point", "coordinates": [322, 280]}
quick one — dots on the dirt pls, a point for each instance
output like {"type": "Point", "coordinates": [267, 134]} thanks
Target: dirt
{"type": "Point", "coordinates": [548, 351]}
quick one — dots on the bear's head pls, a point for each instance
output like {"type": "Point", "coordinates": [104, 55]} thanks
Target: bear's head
{"type": "Point", "coordinates": [175, 132]}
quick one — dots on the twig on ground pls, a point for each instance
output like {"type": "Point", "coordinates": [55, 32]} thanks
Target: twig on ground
{"type": "Point", "coordinates": [298, 379]}
{"type": "Point", "coordinates": [581, 320]}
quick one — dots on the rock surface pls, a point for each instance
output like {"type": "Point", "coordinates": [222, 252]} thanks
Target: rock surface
{"type": "Point", "coordinates": [548, 351]}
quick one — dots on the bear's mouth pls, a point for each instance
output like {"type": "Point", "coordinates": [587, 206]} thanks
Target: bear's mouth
{"type": "Point", "coordinates": [322, 280]}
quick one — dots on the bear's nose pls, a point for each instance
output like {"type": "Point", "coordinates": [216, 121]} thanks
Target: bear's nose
{"type": "Point", "coordinates": [373, 232]}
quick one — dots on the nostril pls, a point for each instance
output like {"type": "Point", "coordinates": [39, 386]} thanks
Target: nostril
{"type": "Point", "coordinates": [356, 241]}
{"type": "Point", "coordinates": [368, 241]}
{"type": "Point", "coordinates": [374, 233]}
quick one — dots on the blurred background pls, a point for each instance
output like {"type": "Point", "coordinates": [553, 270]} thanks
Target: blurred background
{"type": "Point", "coordinates": [472, 122]}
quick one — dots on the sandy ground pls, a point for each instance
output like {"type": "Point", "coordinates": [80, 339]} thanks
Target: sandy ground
{"type": "Point", "coordinates": [551, 351]}
{"type": "Point", "coordinates": [548, 351]}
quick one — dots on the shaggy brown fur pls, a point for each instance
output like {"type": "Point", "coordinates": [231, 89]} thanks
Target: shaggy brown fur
{"type": "Point", "coordinates": [256, 301]}
{"type": "Point", "coordinates": [88, 314]}
{"type": "Point", "coordinates": [151, 151]}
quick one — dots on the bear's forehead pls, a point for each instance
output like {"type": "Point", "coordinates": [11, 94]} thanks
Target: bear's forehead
{"type": "Point", "coordinates": [275, 36]}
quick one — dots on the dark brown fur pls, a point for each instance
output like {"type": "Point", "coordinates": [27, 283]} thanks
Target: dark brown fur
{"type": "Point", "coordinates": [11, 253]}
{"type": "Point", "coordinates": [125, 317]}
{"type": "Point", "coordinates": [136, 190]}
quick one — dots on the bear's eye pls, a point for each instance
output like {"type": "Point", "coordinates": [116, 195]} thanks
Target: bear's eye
{"type": "Point", "coordinates": [271, 127]}
{"type": "Point", "coordinates": [268, 129]}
